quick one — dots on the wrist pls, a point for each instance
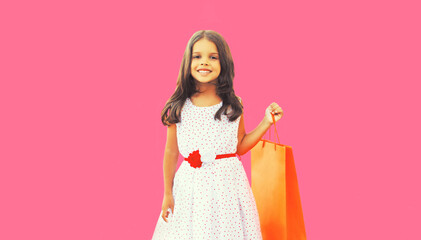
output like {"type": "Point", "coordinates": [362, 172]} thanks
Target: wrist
{"type": "Point", "coordinates": [266, 122]}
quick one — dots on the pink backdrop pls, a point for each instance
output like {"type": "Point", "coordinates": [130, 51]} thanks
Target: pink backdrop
{"type": "Point", "coordinates": [83, 83]}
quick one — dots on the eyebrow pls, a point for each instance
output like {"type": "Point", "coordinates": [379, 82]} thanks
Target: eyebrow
{"type": "Point", "coordinates": [211, 53]}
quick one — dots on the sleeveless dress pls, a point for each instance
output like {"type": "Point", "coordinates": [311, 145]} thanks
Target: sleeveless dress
{"type": "Point", "coordinates": [214, 201]}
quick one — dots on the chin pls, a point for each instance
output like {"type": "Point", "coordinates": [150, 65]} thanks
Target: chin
{"type": "Point", "coordinates": [201, 80]}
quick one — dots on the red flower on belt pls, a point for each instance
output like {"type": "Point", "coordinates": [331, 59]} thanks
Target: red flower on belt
{"type": "Point", "coordinates": [196, 158]}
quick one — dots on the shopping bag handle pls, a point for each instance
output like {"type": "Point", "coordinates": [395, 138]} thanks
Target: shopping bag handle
{"type": "Point", "coordinates": [274, 124]}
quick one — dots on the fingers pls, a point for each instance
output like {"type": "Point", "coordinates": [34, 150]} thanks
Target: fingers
{"type": "Point", "coordinates": [274, 106]}
{"type": "Point", "coordinates": [164, 215]}
{"type": "Point", "coordinates": [275, 109]}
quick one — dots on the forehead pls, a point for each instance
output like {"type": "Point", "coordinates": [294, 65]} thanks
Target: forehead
{"type": "Point", "coordinates": [205, 46]}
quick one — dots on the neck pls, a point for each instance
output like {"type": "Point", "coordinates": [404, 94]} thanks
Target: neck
{"type": "Point", "coordinates": [208, 88]}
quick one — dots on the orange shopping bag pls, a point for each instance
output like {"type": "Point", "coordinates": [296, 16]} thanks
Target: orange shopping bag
{"type": "Point", "coordinates": [275, 188]}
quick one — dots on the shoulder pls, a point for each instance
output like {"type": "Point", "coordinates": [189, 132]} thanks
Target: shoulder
{"type": "Point", "coordinates": [239, 98]}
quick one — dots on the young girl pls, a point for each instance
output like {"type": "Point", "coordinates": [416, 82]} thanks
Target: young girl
{"type": "Point", "coordinates": [209, 197]}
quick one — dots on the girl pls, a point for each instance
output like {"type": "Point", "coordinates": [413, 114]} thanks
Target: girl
{"type": "Point", "coordinates": [209, 197]}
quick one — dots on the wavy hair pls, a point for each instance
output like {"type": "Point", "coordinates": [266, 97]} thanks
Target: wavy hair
{"type": "Point", "coordinates": [186, 84]}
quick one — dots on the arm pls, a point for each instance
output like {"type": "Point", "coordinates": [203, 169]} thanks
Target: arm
{"type": "Point", "coordinates": [170, 158]}
{"type": "Point", "coordinates": [246, 141]}
{"type": "Point", "coordinates": [170, 164]}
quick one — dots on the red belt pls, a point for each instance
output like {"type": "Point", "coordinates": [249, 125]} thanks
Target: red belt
{"type": "Point", "coordinates": [195, 159]}
{"type": "Point", "coordinates": [226, 155]}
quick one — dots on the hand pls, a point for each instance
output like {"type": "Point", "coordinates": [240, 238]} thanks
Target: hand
{"type": "Point", "coordinates": [168, 202]}
{"type": "Point", "coordinates": [275, 109]}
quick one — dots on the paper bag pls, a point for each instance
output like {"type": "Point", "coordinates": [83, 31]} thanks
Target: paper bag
{"type": "Point", "coordinates": [275, 188]}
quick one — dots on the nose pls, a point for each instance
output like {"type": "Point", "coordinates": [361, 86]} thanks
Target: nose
{"type": "Point", "coordinates": [204, 61]}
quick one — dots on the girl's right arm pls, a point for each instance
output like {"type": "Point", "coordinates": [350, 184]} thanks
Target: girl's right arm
{"type": "Point", "coordinates": [170, 163]}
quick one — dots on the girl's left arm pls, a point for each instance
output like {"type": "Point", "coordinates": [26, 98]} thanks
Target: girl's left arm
{"type": "Point", "coordinates": [246, 141]}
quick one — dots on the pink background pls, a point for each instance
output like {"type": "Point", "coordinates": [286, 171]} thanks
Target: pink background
{"type": "Point", "coordinates": [83, 84]}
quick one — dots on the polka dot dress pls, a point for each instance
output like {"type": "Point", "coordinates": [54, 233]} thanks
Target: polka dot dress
{"type": "Point", "coordinates": [214, 201]}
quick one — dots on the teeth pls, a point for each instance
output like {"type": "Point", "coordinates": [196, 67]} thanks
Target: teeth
{"type": "Point", "coordinates": [203, 71]}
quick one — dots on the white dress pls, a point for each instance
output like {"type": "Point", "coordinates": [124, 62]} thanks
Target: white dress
{"type": "Point", "coordinates": [214, 201]}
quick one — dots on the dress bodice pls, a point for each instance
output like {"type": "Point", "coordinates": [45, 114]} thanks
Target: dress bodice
{"type": "Point", "coordinates": [198, 129]}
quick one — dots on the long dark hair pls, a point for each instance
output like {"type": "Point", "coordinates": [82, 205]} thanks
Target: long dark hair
{"type": "Point", "coordinates": [186, 85]}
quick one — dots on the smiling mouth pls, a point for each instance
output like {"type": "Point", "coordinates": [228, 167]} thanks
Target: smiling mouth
{"type": "Point", "coordinates": [204, 73]}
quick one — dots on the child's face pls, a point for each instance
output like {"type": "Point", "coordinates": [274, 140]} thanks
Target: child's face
{"type": "Point", "coordinates": [205, 56]}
